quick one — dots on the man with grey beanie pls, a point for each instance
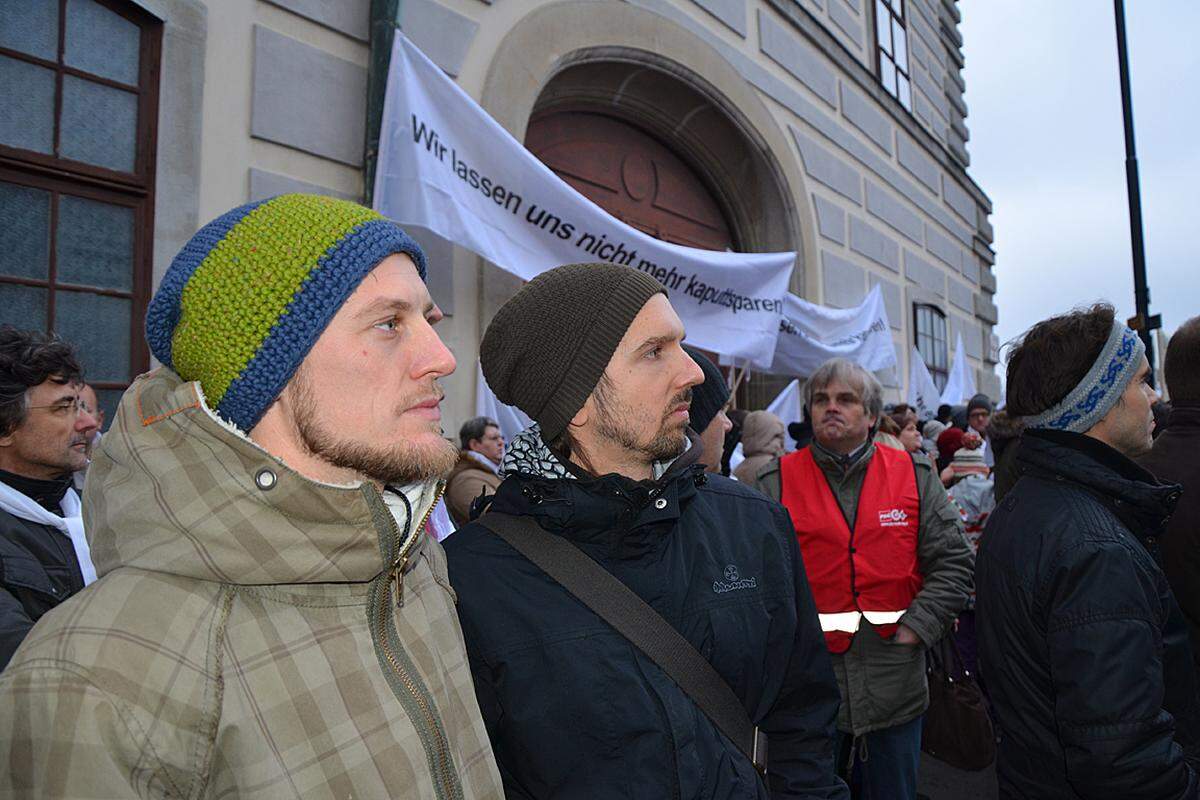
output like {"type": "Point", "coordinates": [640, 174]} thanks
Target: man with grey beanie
{"type": "Point", "coordinates": [1081, 642]}
{"type": "Point", "coordinates": [592, 353]}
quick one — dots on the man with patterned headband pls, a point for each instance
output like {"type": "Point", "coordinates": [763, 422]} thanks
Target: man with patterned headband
{"type": "Point", "coordinates": [269, 620]}
{"type": "Point", "coordinates": [1082, 645]}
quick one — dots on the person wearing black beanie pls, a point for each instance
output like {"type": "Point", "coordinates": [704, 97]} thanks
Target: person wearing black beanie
{"type": "Point", "coordinates": [593, 354]}
{"type": "Point", "coordinates": [708, 410]}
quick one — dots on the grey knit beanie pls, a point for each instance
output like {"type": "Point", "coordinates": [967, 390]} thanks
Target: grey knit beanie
{"type": "Point", "coordinates": [548, 346]}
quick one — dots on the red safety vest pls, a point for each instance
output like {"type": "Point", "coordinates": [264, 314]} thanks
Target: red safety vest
{"type": "Point", "coordinates": [870, 571]}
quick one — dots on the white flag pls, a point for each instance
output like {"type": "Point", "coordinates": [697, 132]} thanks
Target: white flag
{"type": "Point", "coordinates": [922, 391]}
{"type": "Point", "coordinates": [810, 335]}
{"type": "Point", "coordinates": [446, 165]}
{"type": "Point", "coordinates": [960, 387]}
{"type": "Point", "coordinates": [788, 405]}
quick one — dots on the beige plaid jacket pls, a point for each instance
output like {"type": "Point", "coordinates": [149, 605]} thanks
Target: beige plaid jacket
{"type": "Point", "coordinates": [253, 634]}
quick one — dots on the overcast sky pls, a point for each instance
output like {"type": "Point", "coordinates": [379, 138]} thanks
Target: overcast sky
{"type": "Point", "coordinates": [1044, 113]}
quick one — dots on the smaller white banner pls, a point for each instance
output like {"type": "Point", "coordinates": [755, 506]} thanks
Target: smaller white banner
{"type": "Point", "coordinates": [922, 391]}
{"type": "Point", "coordinates": [788, 405]}
{"type": "Point", "coordinates": [960, 386]}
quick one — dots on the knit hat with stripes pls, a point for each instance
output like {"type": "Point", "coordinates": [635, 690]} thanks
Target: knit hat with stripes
{"type": "Point", "coordinates": [250, 293]}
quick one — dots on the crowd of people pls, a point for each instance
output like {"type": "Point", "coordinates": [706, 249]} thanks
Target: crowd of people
{"type": "Point", "coordinates": [248, 586]}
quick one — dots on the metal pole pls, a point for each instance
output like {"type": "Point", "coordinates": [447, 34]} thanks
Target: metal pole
{"type": "Point", "coordinates": [1141, 290]}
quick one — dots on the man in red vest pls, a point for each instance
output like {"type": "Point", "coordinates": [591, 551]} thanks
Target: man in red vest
{"type": "Point", "coordinates": [889, 570]}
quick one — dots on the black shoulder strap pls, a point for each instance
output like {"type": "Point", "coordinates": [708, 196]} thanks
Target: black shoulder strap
{"type": "Point", "coordinates": [637, 621]}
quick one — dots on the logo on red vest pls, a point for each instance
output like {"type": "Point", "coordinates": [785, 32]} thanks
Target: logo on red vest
{"type": "Point", "coordinates": [893, 518]}
{"type": "Point", "coordinates": [733, 580]}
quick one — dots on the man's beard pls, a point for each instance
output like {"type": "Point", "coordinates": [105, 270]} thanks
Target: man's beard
{"type": "Point", "coordinates": [668, 441]}
{"type": "Point", "coordinates": [396, 465]}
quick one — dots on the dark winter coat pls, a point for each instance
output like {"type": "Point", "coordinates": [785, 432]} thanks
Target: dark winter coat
{"type": "Point", "coordinates": [574, 710]}
{"type": "Point", "coordinates": [1083, 649]}
{"type": "Point", "coordinates": [38, 570]}
{"type": "Point", "coordinates": [1176, 459]}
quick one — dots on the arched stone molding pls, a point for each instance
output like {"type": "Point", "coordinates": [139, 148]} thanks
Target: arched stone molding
{"type": "Point", "coordinates": [631, 63]}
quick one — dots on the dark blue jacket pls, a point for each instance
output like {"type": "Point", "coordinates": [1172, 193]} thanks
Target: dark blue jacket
{"type": "Point", "coordinates": [1083, 648]}
{"type": "Point", "coordinates": [575, 711]}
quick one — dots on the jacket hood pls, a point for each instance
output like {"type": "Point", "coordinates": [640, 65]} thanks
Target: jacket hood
{"type": "Point", "coordinates": [1134, 495]}
{"type": "Point", "coordinates": [172, 489]}
{"type": "Point", "coordinates": [762, 434]}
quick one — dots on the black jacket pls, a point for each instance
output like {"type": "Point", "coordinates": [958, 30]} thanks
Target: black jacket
{"type": "Point", "coordinates": [1176, 458]}
{"type": "Point", "coordinates": [38, 570]}
{"type": "Point", "coordinates": [1083, 649]}
{"type": "Point", "coordinates": [574, 710]}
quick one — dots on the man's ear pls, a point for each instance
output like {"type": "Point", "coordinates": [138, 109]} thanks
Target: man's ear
{"type": "Point", "coordinates": [7, 440]}
{"type": "Point", "coordinates": [584, 414]}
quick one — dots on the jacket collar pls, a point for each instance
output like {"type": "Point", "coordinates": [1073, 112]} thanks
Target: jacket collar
{"type": "Point", "coordinates": [172, 489]}
{"type": "Point", "coordinates": [1141, 502]}
{"type": "Point", "coordinates": [1184, 417]}
{"type": "Point", "coordinates": [610, 514]}
{"type": "Point", "coordinates": [840, 466]}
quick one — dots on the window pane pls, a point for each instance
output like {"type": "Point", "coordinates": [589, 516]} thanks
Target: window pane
{"type": "Point", "coordinates": [27, 97]}
{"type": "Point", "coordinates": [30, 26]}
{"type": "Point", "coordinates": [901, 40]}
{"type": "Point", "coordinates": [25, 232]}
{"type": "Point", "coordinates": [98, 326]}
{"type": "Point", "coordinates": [882, 27]}
{"type": "Point", "coordinates": [108, 400]}
{"type": "Point", "coordinates": [899, 6]}
{"type": "Point", "coordinates": [903, 92]}
{"type": "Point", "coordinates": [95, 243]}
{"type": "Point", "coordinates": [24, 306]}
{"type": "Point", "coordinates": [101, 41]}
{"type": "Point", "coordinates": [99, 124]}
{"type": "Point", "coordinates": [887, 75]}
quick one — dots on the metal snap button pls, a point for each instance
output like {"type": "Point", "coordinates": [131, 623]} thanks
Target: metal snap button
{"type": "Point", "coordinates": [265, 479]}
{"type": "Point", "coordinates": [660, 504]}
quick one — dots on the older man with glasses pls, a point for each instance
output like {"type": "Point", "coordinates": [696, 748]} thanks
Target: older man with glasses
{"type": "Point", "coordinates": [45, 434]}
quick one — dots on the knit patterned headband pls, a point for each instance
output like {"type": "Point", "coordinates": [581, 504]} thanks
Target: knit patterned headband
{"type": "Point", "coordinates": [252, 291]}
{"type": "Point", "coordinates": [1100, 389]}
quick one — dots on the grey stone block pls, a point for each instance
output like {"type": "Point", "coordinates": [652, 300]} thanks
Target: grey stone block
{"type": "Point", "coordinates": [987, 280]}
{"type": "Point", "coordinates": [992, 351]}
{"type": "Point", "coordinates": [831, 219]}
{"type": "Point", "coordinates": [942, 247]}
{"type": "Point", "coordinates": [875, 245]}
{"type": "Point", "coordinates": [913, 159]}
{"type": "Point", "coordinates": [849, 24]}
{"type": "Point", "coordinates": [961, 295]}
{"type": "Point", "coordinates": [892, 301]}
{"type": "Point", "coordinates": [351, 17]}
{"type": "Point", "coordinates": [972, 337]}
{"type": "Point", "coordinates": [988, 382]}
{"type": "Point", "coordinates": [442, 34]}
{"type": "Point", "coordinates": [265, 184]}
{"type": "Point", "coordinates": [893, 212]}
{"type": "Point", "coordinates": [863, 115]}
{"type": "Point", "coordinates": [957, 198]}
{"type": "Point", "coordinates": [827, 168]}
{"type": "Point", "coordinates": [985, 309]}
{"type": "Point", "coordinates": [731, 12]}
{"type": "Point", "coordinates": [984, 251]}
{"type": "Point", "coordinates": [797, 56]}
{"type": "Point", "coordinates": [970, 267]}
{"type": "Point", "coordinates": [843, 281]}
{"type": "Point", "coordinates": [305, 98]}
{"type": "Point", "coordinates": [985, 226]}
{"type": "Point", "coordinates": [924, 274]}
{"type": "Point", "coordinates": [932, 91]}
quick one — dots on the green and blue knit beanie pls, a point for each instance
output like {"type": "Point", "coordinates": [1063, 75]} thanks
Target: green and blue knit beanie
{"type": "Point", "coordinates": [249, 294]}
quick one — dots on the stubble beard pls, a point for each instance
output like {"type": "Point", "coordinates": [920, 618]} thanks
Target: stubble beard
{"type": "Point", "coordinates": [668, 441]}
{"type": "Point", "coordinates": [396, 465]}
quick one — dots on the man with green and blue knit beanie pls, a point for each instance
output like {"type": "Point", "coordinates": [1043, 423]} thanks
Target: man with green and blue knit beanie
{"type": "Point", "coordinates": [269, 619]}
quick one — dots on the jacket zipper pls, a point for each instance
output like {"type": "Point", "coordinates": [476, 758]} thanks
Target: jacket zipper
{"type": "Point", "coordinates": [396, 576]}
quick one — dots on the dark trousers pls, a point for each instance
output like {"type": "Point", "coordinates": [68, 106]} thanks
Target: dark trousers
{"type": "Point", "coordinates": [885, 762]}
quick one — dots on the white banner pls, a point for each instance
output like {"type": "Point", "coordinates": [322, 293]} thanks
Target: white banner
{"type": "Point", "coordinates": [922, 391]}
{"type": "Point", "coordinates": [788, 405]}
{"type": "Point", "coordinates": [960, 386]}
{"type": "Point", "coordinates": [446, 165]}
{"type": "Point", "coordinates": [810, 335]}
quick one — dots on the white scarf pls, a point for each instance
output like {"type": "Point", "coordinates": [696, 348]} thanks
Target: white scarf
{"type": "Point", "coordinates": [71, 524]}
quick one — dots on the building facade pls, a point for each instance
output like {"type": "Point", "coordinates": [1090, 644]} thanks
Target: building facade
{"type": "Point", "coordinates": [834, 128]}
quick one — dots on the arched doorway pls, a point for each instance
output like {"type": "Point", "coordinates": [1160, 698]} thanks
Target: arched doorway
{"type": "Point", "coordinates": [631, 175]}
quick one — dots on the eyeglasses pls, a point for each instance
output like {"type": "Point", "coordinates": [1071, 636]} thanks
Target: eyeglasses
{"type": "Point", "coordinates": [67, 406]}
